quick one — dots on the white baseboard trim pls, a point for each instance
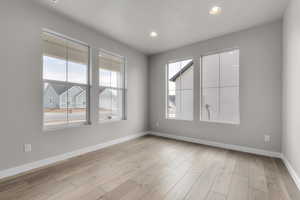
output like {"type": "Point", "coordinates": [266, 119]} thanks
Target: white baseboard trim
{"type": "Point", "coordinates": [288, 165]}
{"type": "Point", "coordinates": [48, 161]}
{"type": "Point", "coordinates": [220, 145]}
{"type": "Point", "coordinates": [291, 171]}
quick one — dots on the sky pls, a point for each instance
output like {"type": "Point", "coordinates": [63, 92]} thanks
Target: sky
{"type": "Point", "coordinates": [174, 68]}
{"type": "Point", "coordinates": [55, 69]}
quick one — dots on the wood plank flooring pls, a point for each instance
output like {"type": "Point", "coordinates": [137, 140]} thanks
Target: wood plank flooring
{"type": "Point", "coordinates": [152, 168]}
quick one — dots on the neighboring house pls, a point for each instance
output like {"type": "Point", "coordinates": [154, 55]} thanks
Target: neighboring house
{"type": "Point", "coordinates": [106, 98]}
{"type": "Point", "coordinates": [182, 101]}
{"type": "Point", "coordinates": [56, 97]}
{"type": "Point", "coordinates": [110, 104]}
{"type": "Point", "coordinates": [51, 97]}
{"type": "Point", "coordinates": [75, 97]}
{"type": "Point", "coordinates": [80, 100]}
{"type": "Point", "coordinates": [109, 99]}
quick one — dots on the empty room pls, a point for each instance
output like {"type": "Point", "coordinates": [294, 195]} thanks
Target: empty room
{"type": "Point", "coordinates": [150, 100]}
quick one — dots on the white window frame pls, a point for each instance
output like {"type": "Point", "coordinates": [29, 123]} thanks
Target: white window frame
{"type": "Point", "coordinates": [123, 89]}
{"type": "Point", "coordinates": [201, 86]}
{"type": "Point", "coordinates": [69, 84]}
{"type": "Point", "coordinates": [167, 89]}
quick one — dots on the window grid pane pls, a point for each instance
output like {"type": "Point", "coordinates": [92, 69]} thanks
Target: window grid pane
{"type": "Point", "coordinates": [77, 104]}
{"type": "Point", "coordinates": [55, 111]}
{"type": "Point", "coordinates": [111, 87]}
{"type": "Point", "coordinates": [220, 87]}
{"type": "Point", "coordinates": [65, 74]}
{"type": "Point", "coordinates": [111, 104]}
{"type": "Point", "coordinates": [180, 90]}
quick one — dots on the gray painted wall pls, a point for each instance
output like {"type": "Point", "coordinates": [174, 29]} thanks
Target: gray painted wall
{"type": "Point", "coordinates": [260, 89]}
{"type": "Point", "coordinates": [21, 86]}
{"type": "Point", "coordinates": [291, 83]}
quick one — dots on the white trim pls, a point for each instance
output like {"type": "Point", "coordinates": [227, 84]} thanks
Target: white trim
{"type": "Point", "coordinates": [51, 128]}
{"type": "Point", "coordinates": [220, 145]}
{"type": "Point", "coordinates": [291, 171]}
{"type": "Point", "coordinates": [65, 37]}
{"type": "Point", "coordinates": [288, 165]}
{"type": "Point", "coordinates": [221, 122]}
{"type": "Point", "coordinates": [42, 163]}
{"type": "Point", "coordinates": [107, 121]}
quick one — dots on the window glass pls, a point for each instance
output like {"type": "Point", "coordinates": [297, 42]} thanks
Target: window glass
{"type": "Point", "coordinates": [77, 73]}
{"type": "Point", "coordinates": [111, 87]}
{"type": "Point", "coordinates": [65, 75]}
{"type": "Point", "coordinates": [180, 90]}
{"type": "Point", "coordinates": [55, 105]}
{"type": "Point", "coordinates": [54, 69]}
{"type": "Point", "coordinates": [210, 71]}
{"type": "Point", "coordinates": [77, 63]}
{"type": "Point", "coordinates": [77, 101]}
{"type": "Point", "coordinates": [220, 87]}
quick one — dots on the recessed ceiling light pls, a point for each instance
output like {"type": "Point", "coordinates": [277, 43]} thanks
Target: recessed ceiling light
{"type": "Point", "coordinates": [216, 10]}
{"type": "Point", "coordinates": [153, 34]}
{"type": "Point", "coordinates": [54, 1]}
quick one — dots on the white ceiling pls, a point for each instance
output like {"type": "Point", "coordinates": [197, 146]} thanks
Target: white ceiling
{"type": "Point", "coordinates": [178, 22]}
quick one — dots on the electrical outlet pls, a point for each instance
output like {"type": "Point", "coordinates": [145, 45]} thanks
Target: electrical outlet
{"type": "Point", "coordinates": [267, 138]}
{"type": "Point", "coordinates": [157, 124]}
{"type": "Point", "coordinates": [27, 148]}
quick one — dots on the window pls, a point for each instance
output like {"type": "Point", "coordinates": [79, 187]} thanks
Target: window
{"type": "Point", "coordinates": [66, 81]}
{"type": "Point", "coordinates": [112, 90]}
{"type": "Point", "coordinates": [180, 90]}
{"type": "Point", "coordinates": [220, 87]}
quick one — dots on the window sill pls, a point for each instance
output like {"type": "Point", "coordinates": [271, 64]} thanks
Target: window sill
{"type": "Point", "coordinates": [110, 121]}
{"type": "Point", "coordinates": [65, 126]}
{"type": "Point", "coordinates": [185, 120]}
{"type": "Point", "coordinates": [206, 121]}
{"type": "Point", "coordinates": [221, 122]}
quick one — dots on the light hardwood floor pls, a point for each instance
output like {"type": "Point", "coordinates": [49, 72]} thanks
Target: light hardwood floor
{"type": "Point", "coordinates": [152, 168]}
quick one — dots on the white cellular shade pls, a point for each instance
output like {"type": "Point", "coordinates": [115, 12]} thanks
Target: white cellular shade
{"type": "Point", "coordinates": [111, 62]}
{"type": "Point", "coordinates": [61, 48]}
{"type": "Point", "coordinates": [111, 70]}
